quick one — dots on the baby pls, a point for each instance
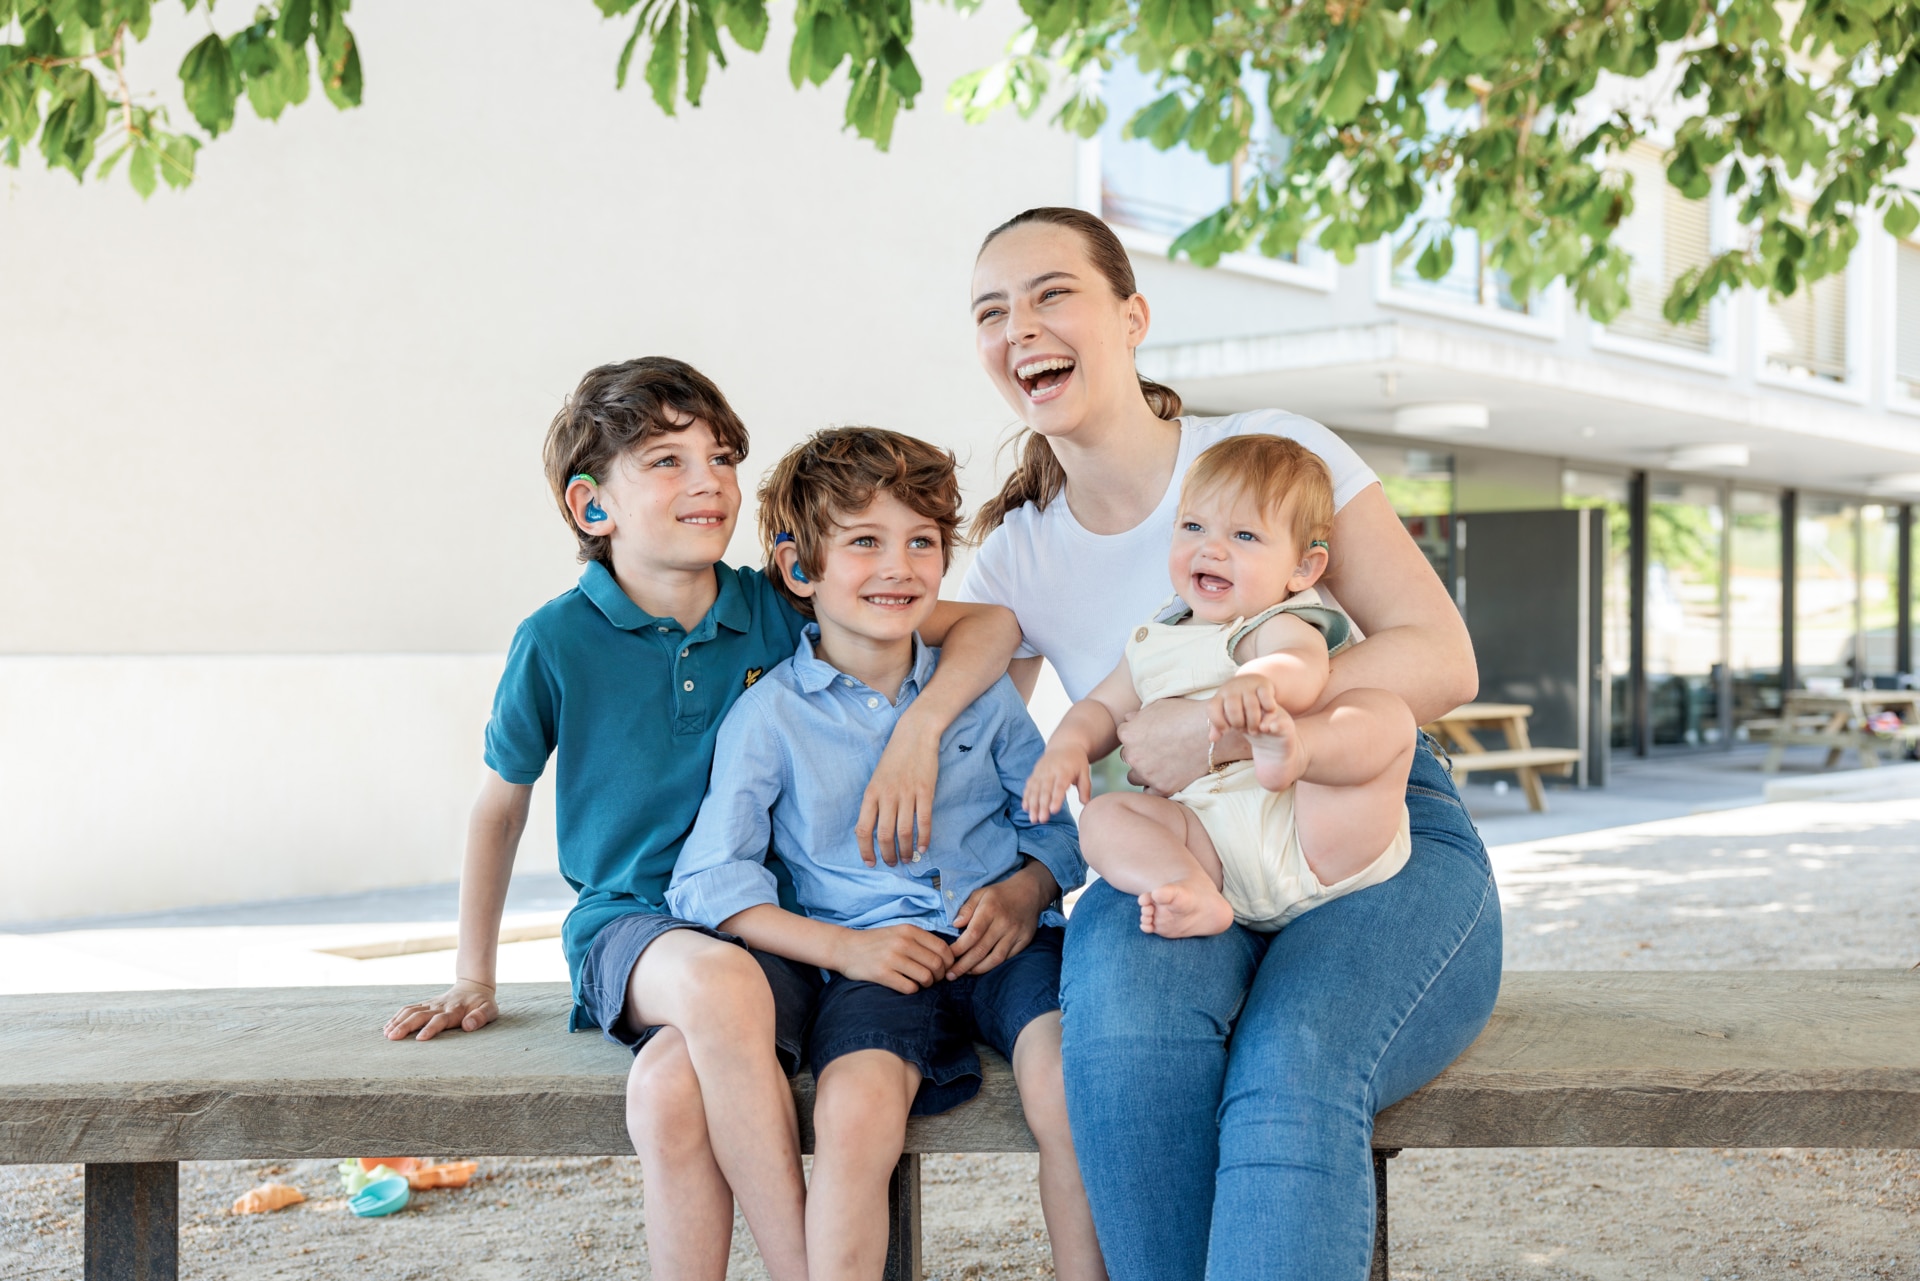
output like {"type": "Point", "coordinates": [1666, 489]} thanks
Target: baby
{"type": "Point", "coordinates": [1320, 811]}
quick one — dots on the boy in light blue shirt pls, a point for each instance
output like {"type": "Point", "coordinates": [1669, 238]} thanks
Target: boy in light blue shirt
{"type": "Point", "coordinates": [960, 941]}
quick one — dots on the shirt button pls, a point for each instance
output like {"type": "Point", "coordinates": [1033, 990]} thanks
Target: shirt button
{"type": "Point", "coordinates": [684, 653]}
{"type": "Point", "coordinates": [660, 629]}
{"type": "Point", "coordinates": [688, 686]}
{"type": "Point", "coordinates": [873, 702]}
{"type": "Point", "coordinates": [949, 893]}
{"type": "Point", "coordinates": [1140, 634]}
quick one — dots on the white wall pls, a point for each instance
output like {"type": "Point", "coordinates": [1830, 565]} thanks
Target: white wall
{"type": "Point", "coordinates": [297, 410]}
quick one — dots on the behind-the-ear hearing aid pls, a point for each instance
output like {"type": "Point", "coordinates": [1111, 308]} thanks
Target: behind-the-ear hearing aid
{"type": "Point", "coordinates": [1318, 542]}
{"type": "Point", "coordinates": [595, 512]}
{"type": "Point", "coordinates": [799, 574]}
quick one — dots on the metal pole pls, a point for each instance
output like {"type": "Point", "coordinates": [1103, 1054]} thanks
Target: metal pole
{"type": "Point", "coordinates": [1639, 703]}
{"type": "Point", "coordinates": [1903, 590]}
{"type": "Point", "coordinates": [1789, 542]}
{"type": "Point", "coordinates": [1378, 1272]}
{"type": "Point", "coordinates": [133, 1221]}
{"type": "Point", "coordinates": [903, 1221]}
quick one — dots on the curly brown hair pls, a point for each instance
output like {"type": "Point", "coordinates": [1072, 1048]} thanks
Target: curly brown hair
{"type": "Point", "coordinates": [835, 474]}
{"type": "Point", "coordinates": [618, 407]}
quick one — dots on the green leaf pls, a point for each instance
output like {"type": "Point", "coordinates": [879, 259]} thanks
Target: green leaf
{"type": "Point", "coordinates": [211, 84]}
{"type": "Point", "coordinates": [1354, 81]}
{"type": "Point", "coordinates": [1900, 219]}
{"type": "Point", "coordinates": [702, 41]}
{"type": "Point", "coordinates": [746, 22]}
{"type": "Point", "coordinates": [177, 152]}
{"type": "Point", "coordinates": [140, 170]}
{"type": "Point", "coordinates": [663, 68]}
{"type": "Point", "coordinates": [626, 53]}
{"type": "Point", "coordinates": [296, 22]}
{"type": "Point", "coordinates": [107, 165]}
{"type": "Point", "coordinates": [341, 76]}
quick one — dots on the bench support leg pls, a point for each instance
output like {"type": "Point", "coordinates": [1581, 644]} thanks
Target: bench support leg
{"type": "Point", "coordinates": [133, 1221]}
{"type": "Point", "coordinates": [903, 1221]}
{"type": "Point", "coordinates": [1378, 1272]}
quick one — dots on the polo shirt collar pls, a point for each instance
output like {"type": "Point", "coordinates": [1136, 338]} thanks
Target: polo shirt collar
{"type": "Point", "coordinates": [813, 674]}
{"type": "Point", "coordinates": [729, 609]}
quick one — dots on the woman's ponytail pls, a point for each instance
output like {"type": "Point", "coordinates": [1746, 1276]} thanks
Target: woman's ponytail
{"type": "Point", "coordinates": [1038, 478]}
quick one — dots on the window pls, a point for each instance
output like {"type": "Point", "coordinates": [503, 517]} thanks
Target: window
{"type": "Point", "coordinates": [1666, 235]}
{"type": "Point", "coordinates": [1906, 318]}
{"type": "Point", "coordinates": [1164, 192]}
{"type": "Point", "coordinates": [1805, 335]}
{"type": "Point", "coordinates": [1419, 484]}
{"type": "Point", "coordinates": [1826, 591]}
{"type": "Point", "coordinates": [1471, 280]}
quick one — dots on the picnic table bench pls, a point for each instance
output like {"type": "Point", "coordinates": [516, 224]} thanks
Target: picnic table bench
{"type": "Point", "coordinates": [1838, 722]}
{"type": "Point", "coordinates": [1455, 733]}
{"type": "Point", "coordinates": [132, 1083]}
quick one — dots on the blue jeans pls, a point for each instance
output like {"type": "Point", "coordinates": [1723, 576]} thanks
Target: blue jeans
{"type": "Point", "coordinates": [1222, 1090]}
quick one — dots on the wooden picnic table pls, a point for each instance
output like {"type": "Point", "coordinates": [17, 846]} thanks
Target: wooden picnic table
{"type": "Point", "coordinates": [1837, 720]}
{"type": "Point", "coordinates": [1455, 733]}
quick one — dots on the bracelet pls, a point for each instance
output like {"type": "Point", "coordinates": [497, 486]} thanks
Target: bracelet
{"type": "Point", "coordinates": [1221, 768]}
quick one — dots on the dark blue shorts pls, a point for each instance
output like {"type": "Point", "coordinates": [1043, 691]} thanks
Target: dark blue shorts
{"type": "Point", "coordinates": [616, 949]}
{"type": "Point", "coordinates": [935, 1028]}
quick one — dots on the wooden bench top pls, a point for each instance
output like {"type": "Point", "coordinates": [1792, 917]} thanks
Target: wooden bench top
{"type": "Point", "coordinates": [1513, 758]}
{"type": "Point", "coordinates": [1623, 1059]}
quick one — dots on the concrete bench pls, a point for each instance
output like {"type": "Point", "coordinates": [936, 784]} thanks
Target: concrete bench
{"type": "Point", "coordinates": [133, 1083]}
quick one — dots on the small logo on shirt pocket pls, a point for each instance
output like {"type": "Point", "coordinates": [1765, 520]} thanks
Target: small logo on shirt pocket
{"type": "Point", "coordinates": [965, 747]}
{"type": "Point", "coordinates": [753, 674]}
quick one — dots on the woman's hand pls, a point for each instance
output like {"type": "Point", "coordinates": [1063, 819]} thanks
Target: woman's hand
{"type": "Point", "coordinates": [1059, 768]}
{"type": "Point", "coordinates": [1165, 743]}
{"type": "Point", "coordinates": [899, 798]}
{"type": "Point", "coordinates": [466, 1005]}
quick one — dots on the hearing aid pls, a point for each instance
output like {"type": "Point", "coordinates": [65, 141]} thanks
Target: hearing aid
{"type": "Point", "coordinates": [799, 574]}
{"type": "Point", "coordinates": [595, 512]}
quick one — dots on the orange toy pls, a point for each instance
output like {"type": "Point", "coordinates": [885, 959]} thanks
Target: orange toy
{"type": "Point", "coordinates": [268, 1196]}
{"type": "Point", "coordinates": [451, 1174]}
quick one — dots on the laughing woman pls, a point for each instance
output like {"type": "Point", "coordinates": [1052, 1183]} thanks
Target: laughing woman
{"type": "Point", "coordinates": [1222, 1090]}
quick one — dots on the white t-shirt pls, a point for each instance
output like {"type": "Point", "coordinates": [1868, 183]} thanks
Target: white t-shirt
{"type": "Point", "coordinates": [1078, 594]}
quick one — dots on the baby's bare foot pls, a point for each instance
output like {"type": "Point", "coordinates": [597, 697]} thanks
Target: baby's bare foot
{"type": "Point", "coordinates": [1278, 760]}
{"type": "Point", "coordinates": [1186, 908]}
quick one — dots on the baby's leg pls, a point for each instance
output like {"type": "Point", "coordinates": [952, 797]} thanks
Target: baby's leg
{"type": "Point", "coordinates": [1354, 755]}
{"type": "Point", "coordinates": [1155, 848]}
{"type": "Point", "coordinates": [860, 1126]}
{"type": "Point", "coordinates": [1063, 1198]}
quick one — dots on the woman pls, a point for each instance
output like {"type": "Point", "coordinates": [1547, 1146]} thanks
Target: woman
{"type": "Point", "coordinates": [1205, 1154]}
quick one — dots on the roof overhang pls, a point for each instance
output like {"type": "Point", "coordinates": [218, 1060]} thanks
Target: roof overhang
{"type": "Point", "coordinates": [1539, 402]}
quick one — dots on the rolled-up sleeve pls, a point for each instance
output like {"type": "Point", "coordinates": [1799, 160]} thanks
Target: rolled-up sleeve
{"type": "Point", "coordinates": [1016, 750]}
{"type": "Point", "coordinates": [722, 868]}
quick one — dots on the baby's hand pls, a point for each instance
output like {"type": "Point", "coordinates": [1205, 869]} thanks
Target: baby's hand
{"type": "Point", "coordinates": [1058, 769]}
{"type": "Point", "coordinates": [1249, 703]}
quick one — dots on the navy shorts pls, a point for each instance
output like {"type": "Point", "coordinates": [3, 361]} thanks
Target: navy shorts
{"type": "Point", "coordinates": [935, 1028]}
{"type": "Point", "coordinates": [616, 949]}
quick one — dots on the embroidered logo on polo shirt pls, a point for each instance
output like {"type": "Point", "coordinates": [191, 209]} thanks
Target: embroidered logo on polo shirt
{"type": "Point", "coordinates": [965, 747]}
{"type": "Point", "coordinates": [753, 674]}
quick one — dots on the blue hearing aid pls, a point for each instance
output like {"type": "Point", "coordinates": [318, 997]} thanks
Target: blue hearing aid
{"type": "Point", "coordinates": [1319, 542]}
{"type": "Point", "coordinates": [799, 574]}
{"type": "Point", "coordinates": [594, 511]}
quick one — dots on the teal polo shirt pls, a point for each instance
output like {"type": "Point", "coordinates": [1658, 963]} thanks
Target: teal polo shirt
{"type": "Point", "coordinates": [629, 705]}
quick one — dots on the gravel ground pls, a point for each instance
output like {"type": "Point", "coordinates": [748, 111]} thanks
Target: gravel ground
{"type": "Point", "coordinates": [1811, 885]}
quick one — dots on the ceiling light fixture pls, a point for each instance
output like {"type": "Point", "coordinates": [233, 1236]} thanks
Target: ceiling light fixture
{"type": "Point", "coordinates": [1708, 457]}
{"type": "Point", "coordinates": [1418, 420]}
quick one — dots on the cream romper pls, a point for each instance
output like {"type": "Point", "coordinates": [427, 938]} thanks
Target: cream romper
{"type": "Point", "coordinates": [1265, 875]}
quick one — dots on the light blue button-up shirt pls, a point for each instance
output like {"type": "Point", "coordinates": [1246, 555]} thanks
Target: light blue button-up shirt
{"type": "Point", "coordinates": [794, 758]}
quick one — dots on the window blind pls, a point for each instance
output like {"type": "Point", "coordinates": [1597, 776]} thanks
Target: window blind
{"type": "Point", "coordinates": [1666, 235]}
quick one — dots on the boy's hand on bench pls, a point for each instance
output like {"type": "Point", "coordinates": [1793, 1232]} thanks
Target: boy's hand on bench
{"type": "Point", "coordinates": [466, 1005]}
{"type": "Point", "coordinates": [905, 958]}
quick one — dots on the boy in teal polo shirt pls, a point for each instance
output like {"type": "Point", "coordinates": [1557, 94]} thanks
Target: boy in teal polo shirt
{"type": "Point", "coordinates": [625, 679]}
